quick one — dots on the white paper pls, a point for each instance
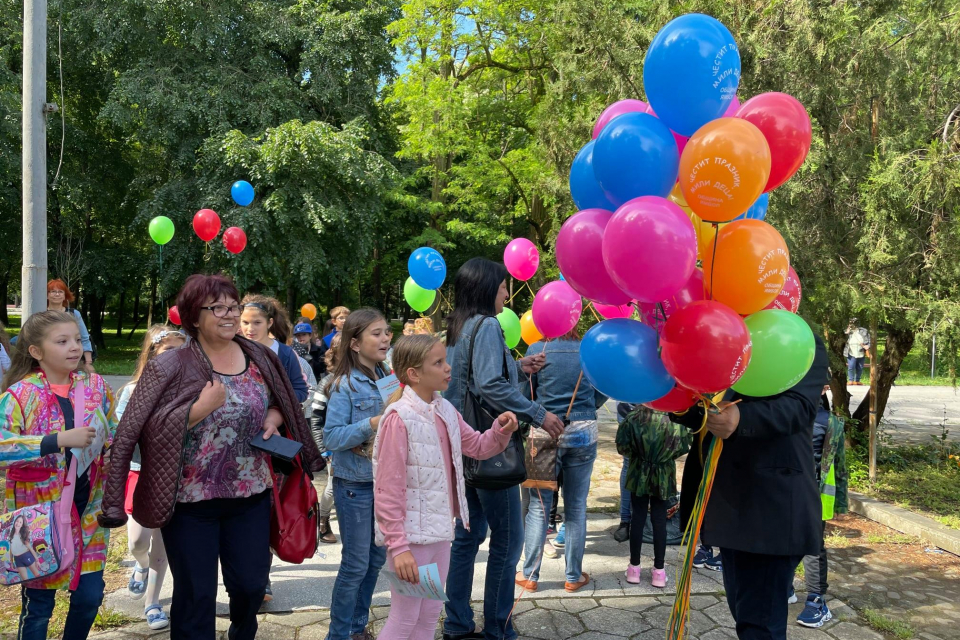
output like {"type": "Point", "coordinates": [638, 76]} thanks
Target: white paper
{"type": "Point", "coordinates": [430, 587]}
{"type": "Point", "coordinates": [388, 385]}
{"type": "Point", "coordinates": [90, 452]}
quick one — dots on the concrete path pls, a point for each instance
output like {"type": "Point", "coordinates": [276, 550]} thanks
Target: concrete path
{"type": "Point", "coordinates": [913, 414]}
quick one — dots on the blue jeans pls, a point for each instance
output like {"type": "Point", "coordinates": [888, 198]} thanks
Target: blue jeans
{"type": "Point", "coordinates": [577, 465]}
{"type": "Point", "coordinates": [360, 562]}
{"type": "Point", "coordinates": [36, 608]}
{"type": "Point", "coordinates": [500, 511]}
{"type": "Point", "coordinates": [854, 369]}
{"type": "Point", "coordinates": [625, 511]}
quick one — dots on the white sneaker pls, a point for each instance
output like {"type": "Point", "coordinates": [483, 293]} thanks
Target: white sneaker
{"type": "Point", "coordinates": [550, 551]}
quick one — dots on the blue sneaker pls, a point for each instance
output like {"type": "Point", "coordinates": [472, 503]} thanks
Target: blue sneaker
{"type": "Point", "coordinates": [156, 618]}
{"type": "Point", "coordinates": [816, 613]}
{"type": "Point", "coordinates": [561, 538]}
{"type": "Point", "coordinates": [714, 563]}
{"type": "Point", "coordinates": [703, 554]}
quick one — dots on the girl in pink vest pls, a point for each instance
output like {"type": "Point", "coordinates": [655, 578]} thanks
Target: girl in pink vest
{"type": "Point", "coordinates": [418, 477]}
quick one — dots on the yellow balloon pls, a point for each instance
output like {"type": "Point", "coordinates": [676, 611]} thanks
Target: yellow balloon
{"type": "Point", "coordinates": [706, 232]}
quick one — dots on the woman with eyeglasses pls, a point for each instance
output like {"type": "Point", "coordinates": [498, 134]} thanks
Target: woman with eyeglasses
{"type": "Point", "coordinates": [193, 414]}
{"type": "Point", "coordinates": [59, 298]}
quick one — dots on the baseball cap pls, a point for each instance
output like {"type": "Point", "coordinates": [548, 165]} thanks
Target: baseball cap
{"type": "Point", "coordinates": [302, 327]}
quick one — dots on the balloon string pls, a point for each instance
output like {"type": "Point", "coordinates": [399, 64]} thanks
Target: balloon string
{"type": "Point", "coordinates": [590, 306]}
{"type": "Point", "coordinates": [713, 263]}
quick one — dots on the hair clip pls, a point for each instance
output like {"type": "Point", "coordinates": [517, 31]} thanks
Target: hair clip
{"type": "Point", "coordinates": [157, 339]}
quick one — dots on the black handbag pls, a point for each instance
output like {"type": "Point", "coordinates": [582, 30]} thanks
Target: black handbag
{"type": "Point", "coordinates": [505, 469]}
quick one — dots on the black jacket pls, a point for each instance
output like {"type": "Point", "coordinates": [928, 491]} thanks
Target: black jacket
{"type": "Point", "coordinates": [765, 497]}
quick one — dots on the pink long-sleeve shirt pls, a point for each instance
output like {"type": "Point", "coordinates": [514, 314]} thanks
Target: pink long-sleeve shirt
{"type": "Point", "coordinates": [390, 506]}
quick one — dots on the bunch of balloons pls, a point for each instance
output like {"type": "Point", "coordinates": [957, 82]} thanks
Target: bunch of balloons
{"type": "Point", "coordinates": [428, 270]}
{"type": "Point", "coordinates": [672, 196]}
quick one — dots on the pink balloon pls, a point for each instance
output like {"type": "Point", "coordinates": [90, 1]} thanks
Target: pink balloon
{"type": "Point", "coordinates": [731, 111]}
{"type": "Point", "coordinates": [556, 309]}
{"type": "Point", "coordinates": [521, 259]}
{"type": "Point", "coordinates": [617, 109]}
{"type": "Point", "coordinates": [650, 248]}
{"type": "Point", "coordinates": [580, 257]}
{"type": "Point", "coordinates": [789, 297]}
{"type": "Point", "coordinates": [612, 312]}
{"type": "Point", "coordinates": [691, 292]}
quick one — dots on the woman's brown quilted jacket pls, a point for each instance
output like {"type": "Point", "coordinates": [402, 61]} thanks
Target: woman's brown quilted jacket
{"type": "Point", "coordinates": [156, 419]}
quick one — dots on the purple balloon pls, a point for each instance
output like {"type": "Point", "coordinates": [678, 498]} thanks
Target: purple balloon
{"type": "Point", "coordinates": [650, 248]}
{"type": "Point", "coordinates": [580, 257]}
{"type": "Point", "coordinates": [556, 309]}
{"type": "Point", "coordinates": [618, 109]}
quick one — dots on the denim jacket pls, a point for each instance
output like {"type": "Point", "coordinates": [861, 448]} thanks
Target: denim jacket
{"type": "Point", "coordinates": [488, 382]}
{"type": "Point", "coordinates": [348, 425]}
{"type": "Point", "coordinates": [555, 382]}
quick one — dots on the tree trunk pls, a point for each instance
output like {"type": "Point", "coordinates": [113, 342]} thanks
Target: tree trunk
{"type": "Point", "coordinates": [123, 301]}
{"type": "Point", "coordinates": [838, 372]}
{"type": "Point", "coordinates": [136, 310]}
{"type": "Point", "coordinates": [898, 345]}
{"type": "Point", "coordinates": [292, 309]}
{"type": "Point", "coordinates": [4, 289]}
{"type": "Point", "coordinates": [153, 299]}
{"type": "Point", "coordinates": [95, 314]}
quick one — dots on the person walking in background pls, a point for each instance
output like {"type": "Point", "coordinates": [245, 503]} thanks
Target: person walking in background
{"type": "Point", "coordinates": [315, 350]}
{"type": "Point", "coordinates": [423, 327]}
{"type": "Point", "coordinates": [480, 293]}
{"type": "Point", "coordinates": [388, 361]}
{"type": "Point", "coordinates": [562, 388]}
{"type": "Point", "coordinates": [855, 351]}
{"type": "Point", "coordinates": [652, 444]}
{"type": "Point", "coordinates": [146, 545]}
{"type": "Point", "coordinates": [194, 413]}
{"type": "Point", "coordinates": [622, 532]}
{"type": "Point", "coordinates": [409, 328]}
{"type": "Point", "coordinates": [38, 417]}
{"type": "Point", "coordinates": [5, 350]}
{"type": "Point", "coordinates": [418, 469]}
{"type": "Point", "coordinates": [353, 415]}
{"type": "Point", "coordinates": [831, 471]}
{"type": "Point", "coordinates": [318, 418]}
{"type": "Point", "coordinates": [338, 316]}
{"type": "Point", "coordinates": [265, 321]}
{"type": "Point", "coordinates": [59, 298]}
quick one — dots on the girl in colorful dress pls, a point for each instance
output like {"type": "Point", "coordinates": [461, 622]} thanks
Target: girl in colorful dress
{"type": "Point", "coordinates": [37, 414]}
{"type": "Point", "coordinates": [146, 545]}
{"type": "Point", "coordinates": [418, 462]}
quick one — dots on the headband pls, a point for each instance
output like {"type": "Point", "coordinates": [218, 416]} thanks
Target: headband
{"type": "Point", "coordinates": [157, 339]}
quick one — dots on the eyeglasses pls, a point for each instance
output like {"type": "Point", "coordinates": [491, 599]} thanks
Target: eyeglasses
{"type": "Point", "coordinates": [222, 310]}
{"type": "Point", "coordinates": [55, 292]}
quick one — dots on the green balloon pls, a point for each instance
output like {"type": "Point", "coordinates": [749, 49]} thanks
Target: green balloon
{"type": "Point", "coordinates": [783, 349]}
{"type": "Point", "coordinates": [417, 297]}
{"type": "Point", "coordinates": [161, 229]}
{"type": "Point", "coordinates": [511, 327]}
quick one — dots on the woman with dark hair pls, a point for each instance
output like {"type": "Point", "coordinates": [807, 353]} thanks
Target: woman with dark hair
{"type": "Point", "coordinates": [481, 291]}
{"type": "Point", "coordinates": [59, 298]}
{"type": "Point", "coordinates": [194, 413]}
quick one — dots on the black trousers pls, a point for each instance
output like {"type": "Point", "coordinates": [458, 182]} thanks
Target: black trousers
{"type": "Point", "coordinates": [757, 588]}
{"type": "Point", "coordinates": [658, 519]}
{"type": "Point", "coordinates": [234, 533]}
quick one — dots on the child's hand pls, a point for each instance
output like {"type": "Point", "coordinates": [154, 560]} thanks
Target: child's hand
{"type": "Point", "coordinates": [407, 568]}
{"type": "Point", "coordinates": [78, 438]}
{"type": "Point", "coordinates": [508, 422]}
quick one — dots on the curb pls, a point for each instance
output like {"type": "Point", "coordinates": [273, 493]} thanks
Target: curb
{"type": "Point", "coordinates": [904, 521]}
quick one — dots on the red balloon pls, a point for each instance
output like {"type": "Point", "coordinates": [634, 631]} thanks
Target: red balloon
{"type": "Point", "coordinates": [206, 223]}
{"type": "Point", "coordinates": [174, 315]}
{"type": "Point", "coordinates": [705, 346]}
{"type": "Point", "coordinates": [234, 239]}
{"type": "Point", "coordinates": [678, 399]}
{"type": "Point", "coordinates": [786, 126]}
{"type": "Point", "coordinates": [789, 297]}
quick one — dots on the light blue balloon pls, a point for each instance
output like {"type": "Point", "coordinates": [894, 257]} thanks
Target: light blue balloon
{"type": "Point", "coordinates": [635, 155]}
{"type": "Point", "coordinates": [242, 192]}
{"type": "Point", "coordinates": [427, 268]}
{"type": "Point", "coordinates": [620, 358]}
{"type": "Point", "coordinates": [691, 72]}
{"type": "Point", "coordinates": [584, 187]}
{"type": "Point", "coordinates": [758, 210]}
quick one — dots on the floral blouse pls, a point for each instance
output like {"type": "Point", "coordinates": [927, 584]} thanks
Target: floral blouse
{"type": "Point", "coordinates": [218, 459]}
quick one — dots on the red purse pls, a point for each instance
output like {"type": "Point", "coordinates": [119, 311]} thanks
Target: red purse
{"type": "Point", "coordinates": [294, 522]}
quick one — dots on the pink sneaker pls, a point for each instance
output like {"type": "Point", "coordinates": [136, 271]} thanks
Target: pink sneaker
{"type": "Point", "coordinates": [658, 578]}
{"type": "Point", "coordinates": [633, 574]}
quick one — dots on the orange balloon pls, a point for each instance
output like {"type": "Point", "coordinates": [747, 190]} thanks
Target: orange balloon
{"type": "Point", "coordinates": [724, 169]}
{"type": "Point", "coordinates": [308, 311]}
{"type": "Point", "coordinates": [528, 330]}
{"type": "Point", "coordinates": [751, 266]}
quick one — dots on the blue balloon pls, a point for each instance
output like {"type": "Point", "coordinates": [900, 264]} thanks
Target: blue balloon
{"type": "Point", "coordinates": [635, 155]}
{"type": "Point", "coordinates": [584, 187]}
{"type": "Point", "coordinates": [691, 72]}
{"type": "Point", "coordinates": [427, 268]}
{"type": "Point", "coordinates": [242, 192]}
{"type": "Point", "coordinates": [758, 210]}
{"type": "Point", "coordinates": [620, 358]}
{"type": "Point", "coordinates": [562, 279]}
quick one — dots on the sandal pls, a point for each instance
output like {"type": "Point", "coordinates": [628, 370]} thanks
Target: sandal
{"type": "Point", "coordinates": [137, 587]}
{"type": "Point", "coordinates": [156, 618]}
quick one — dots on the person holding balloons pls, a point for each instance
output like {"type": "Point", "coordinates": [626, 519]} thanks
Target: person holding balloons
{"type": "Point", "coordinates": [480, 293]}
{"type": "Point", "coordinates": [562, 388]}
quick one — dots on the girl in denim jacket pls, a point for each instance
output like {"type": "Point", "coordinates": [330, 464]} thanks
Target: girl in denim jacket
{"type": "Point", "coordinates": [353, 415]}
